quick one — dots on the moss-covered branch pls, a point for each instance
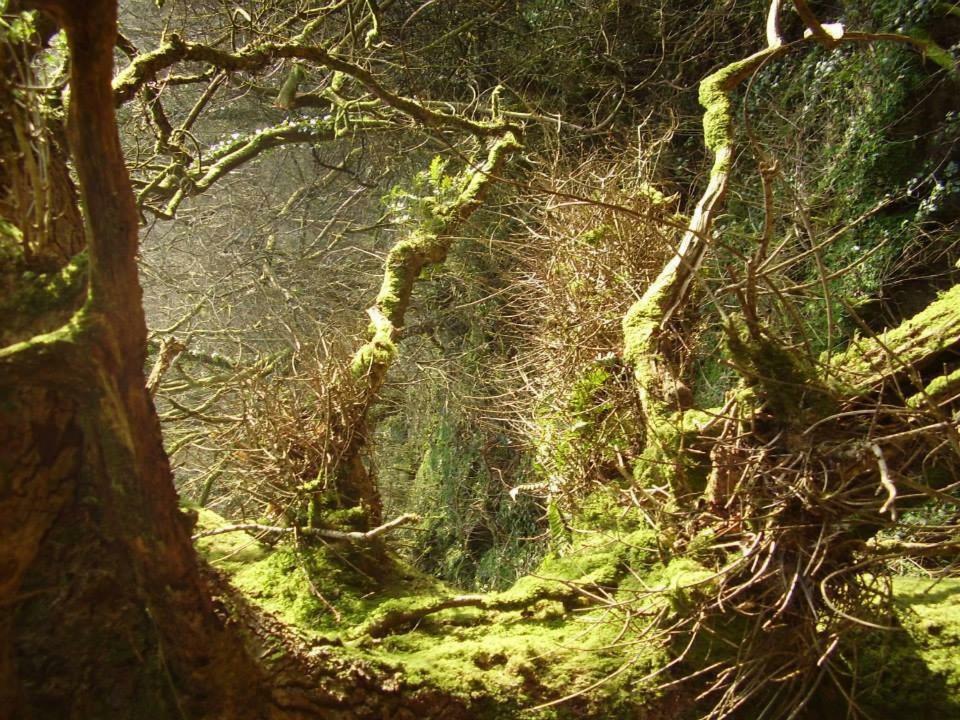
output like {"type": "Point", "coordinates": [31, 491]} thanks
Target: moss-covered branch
{"type": "Point", "coordinates": [177, 183]}
{"type": "Point", "coordinates": [870, 362]}
{"type": "Point", "coordinates": [399, 615]}
{"type": "Point", "coordinates": [426, 245]}
{"type": "Point", "coordinates": [646, 318]}
{"type": "Point", "coordinates": [146, 68]}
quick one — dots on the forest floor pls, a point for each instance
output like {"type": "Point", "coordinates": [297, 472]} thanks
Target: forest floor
{"type": "Point", "coordinates": [576, 638]}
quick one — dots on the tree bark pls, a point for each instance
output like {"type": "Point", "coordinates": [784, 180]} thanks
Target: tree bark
{"type": "Point", "coordinates": [105, 613]}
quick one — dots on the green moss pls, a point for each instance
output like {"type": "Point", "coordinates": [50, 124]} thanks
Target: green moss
{"type": "Point", "coordinates": [510, 659]}
{"type": "Point", "coordinates": [477, 180]}
{"type": "Point", "coordinates": [230, 552]}
{"type": "Point", "coordinates": [327, 591]}
{"type": "Point", "coordinates": [39, 293]}
{"type": "Point", "coordinates": [541, 640]}
{"type": "Point", "coordinates": [517, 661]}
{"type": "Point", "coordinates": [125, 83]}
{"type": "Point", "coordinates": [938, 387]}
{"type": "Point", "coordinates": [281, 584]}
{"type": "Point", "coordinates": [427, 244]}
{"type": "Point", "coordinates": [654, 196]}
{"type": "Point", "coordinates": [665, 461]}
{"type": "Point", "coordinates": [376, 354]}
{"type": "Point", "coordinates": [714, 95]}
{"type": "Point", "coordinates": [930, 612]}
{"type": "Point", "coordinates": [604, 511]}
{"type": "Point", "coordinates": [71, 332]}
{"type": "Point", "coordinates": [403, 264]}
{"type": "Point", "coordinates": [301, 584]}
{"type": "Point", "coordinates": [927, 333]}
{"type": "Point", "coordinates": [915, 672]}
{"type": "Point", "coordinates": [599, 567]}
{"type": "Point", "coordinates": [639, 324]}
{"type": "Point", "coordinates": [10, 236]}
{"type": "Point", "coordinates": [595, 236]}
{"type": "Point", "coordinates": [682, 582]}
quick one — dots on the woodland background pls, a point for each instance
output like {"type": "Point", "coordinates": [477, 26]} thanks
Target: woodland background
{"type": "Point", "coordinates": [566, 358]}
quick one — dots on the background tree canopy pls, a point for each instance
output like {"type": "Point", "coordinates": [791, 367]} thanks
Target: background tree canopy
{"type": "Point", "coordinates": [480, 359]}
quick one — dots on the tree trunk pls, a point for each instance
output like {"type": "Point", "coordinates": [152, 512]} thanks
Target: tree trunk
{"type": "Point", "coordinates": [105, 613]}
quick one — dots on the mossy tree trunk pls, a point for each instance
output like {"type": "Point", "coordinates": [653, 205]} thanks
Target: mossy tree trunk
{"type": "Point", "coordinates": [105, 613]}
{"type": "Point", "coordinates": [427, 244]}
{"type": "Point", "coordinates": [802, 463]}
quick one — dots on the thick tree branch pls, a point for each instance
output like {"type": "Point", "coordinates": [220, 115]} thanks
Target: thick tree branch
{"type": "Point", "coordinates": [646, 320]}
{"type": "Point", "coordinates": [427, 245]}
{"type": "Point", "coordinates": [773, 25]}
{"type": "Point", "coordinates": [101, 168]}
{"type": "Point", "coordinates": [870, 362]}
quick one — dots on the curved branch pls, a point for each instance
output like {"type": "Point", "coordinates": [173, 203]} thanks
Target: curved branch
{"type": "Point", "coordinates": [176, 183]}
{"type": "Point", "coordinates": [424, 246]}
{"type": "Point", "coordinates": [145, 68]}
{"type": "Point", "coordinates": [817, 30]}
{"type": "Point", "coordinates": [645, 321]}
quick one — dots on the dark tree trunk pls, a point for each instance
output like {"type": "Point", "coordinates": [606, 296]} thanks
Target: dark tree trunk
{"type": "Point", "coordinates": [103, 610]}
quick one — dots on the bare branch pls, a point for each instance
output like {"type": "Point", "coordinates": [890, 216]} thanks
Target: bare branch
{"type": "Point", "coordinates": [353, 536]}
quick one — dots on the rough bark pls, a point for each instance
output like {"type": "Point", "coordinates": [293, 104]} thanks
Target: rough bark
{"type": "Point", "coordinates": [105, 611]}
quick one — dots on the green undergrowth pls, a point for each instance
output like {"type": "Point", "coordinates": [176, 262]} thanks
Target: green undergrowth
{"type": "Point", "coordinates": [568, 631]}
{"type": "Point", "coordinates": [584, 431]}
{"type": "Point", "coordinates": [549, 635]}
{"type": "Point", "coordinates": [321, 590]}
{"type": "Point", "coordinates": [229, 552]}
{"type": "Point", "coordinates": [914, 672]}
{"type": "Point", "coordinates": [435, 461]}
{"type": "Point", "coordinates": [545, 650]}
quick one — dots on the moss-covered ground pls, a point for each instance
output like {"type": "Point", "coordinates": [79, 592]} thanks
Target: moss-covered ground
{"type": "Point", "coordinates": [914, 672]}
{"type": "Point", "coordinates": [573, 630]}
{"type": "Point", "coordinates": [558, 632]}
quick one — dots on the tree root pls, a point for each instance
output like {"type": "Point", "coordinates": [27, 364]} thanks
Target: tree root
{"type": "Point", "coordinates": [393, 617]}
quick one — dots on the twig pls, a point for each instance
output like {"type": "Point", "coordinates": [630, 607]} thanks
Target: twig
{"type": "Point", "coordinates": [886, 481]}
{"type": "Point", "coordinates": [352, 536]}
